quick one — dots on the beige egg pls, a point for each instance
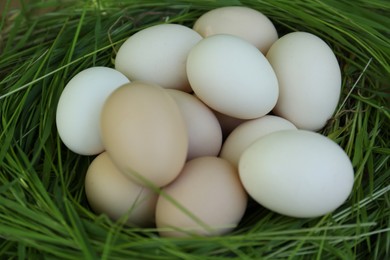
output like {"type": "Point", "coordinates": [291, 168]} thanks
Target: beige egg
{"type": "Point", "coordinates": [206, 199]}
{"type": "Point", "coordinates": [247, 23]}
{"type": "Point", "coordinates": [110, 192]}
{"type": "Point", "coordinates": [204, 131]}
{"type": "Point", "coordinates": [144, 133]}
{"type": "Point", "coordinates": [248, 132]}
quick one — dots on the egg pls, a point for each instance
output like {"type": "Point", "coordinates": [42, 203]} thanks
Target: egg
{"type": "Point", "coordinates": [144, 133]}
{"type": "Point", "coordinates": [248, 132]}
{"type": "Point", "coordinates": [204, 131]}
{"type": "Point", "coordinates": [245, 22]}
{"type": "Point", "coordinates": [309, 79]}
{"type": "Point", "coordinates": [158, 54]}
{"type": "Point", "coordinates": [207, 199]}
{"type": "Point", "coordinates": [232, 77]}
{"type": "Point", "coordinates": [297, 173]}
{"type": "Point", "coordinates": [80, 105]}
{"type": "Point", "coordinates": [110, 192]}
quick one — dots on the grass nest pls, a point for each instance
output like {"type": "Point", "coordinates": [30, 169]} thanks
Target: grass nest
{"type": "Point", "coordinates": [43, 209]}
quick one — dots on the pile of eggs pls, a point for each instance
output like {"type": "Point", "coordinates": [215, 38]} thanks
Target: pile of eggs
{"type": "Point", "coordinates": [192, 121]}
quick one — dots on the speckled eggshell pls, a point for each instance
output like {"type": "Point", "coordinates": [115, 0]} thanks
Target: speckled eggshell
{"type": "Point", "coordinates": [211, 198]}
{"type": "Point", "coordinates": [110, 192]}
{"type": "Point", "coordinates": [144, 133]}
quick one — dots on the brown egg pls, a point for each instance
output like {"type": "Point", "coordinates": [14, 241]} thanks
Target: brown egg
{"type": "Point", "coordinates": [110, 192]}
{"type": "Point", "coordinates": [144, 133]}
{"type": "Point", "coordinates": [206, 199]}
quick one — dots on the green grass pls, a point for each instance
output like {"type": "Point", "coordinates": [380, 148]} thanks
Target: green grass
{"type": "Point", "coordinates": [43, 210]}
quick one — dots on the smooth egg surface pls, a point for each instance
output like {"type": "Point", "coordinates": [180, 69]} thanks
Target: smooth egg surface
{"type": "Point", "coordinates": [206, 199]}
{"type": "Point", "coordinates": [80, 105]}
{"type": "Point", "coordinates": [232, 77]}
{"type": "Point", "coordinates": [297, 173]}
{"type": "Point", "coordinates": [204, 131]}
{"type": "Point", "coordinates": [240, 21]}
{"type": "Point", "coordinates": [248, 132]}
{"type": "Point", "coordinates": [110, 192]}
{"type": "Point", "coordinates": [158, 55]}
{"type": "Point", "coordinates": [309, 79]}
{"type": "Point", "coordinates": [144, 133]}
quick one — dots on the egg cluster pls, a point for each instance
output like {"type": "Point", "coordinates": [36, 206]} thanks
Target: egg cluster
{"type": "Point", "coordinates": [192, 120]}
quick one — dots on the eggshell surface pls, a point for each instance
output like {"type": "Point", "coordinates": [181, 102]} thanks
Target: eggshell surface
{"type": "Point", "coordinates": [110, 192]}
{"type": "Point", "coordinates": [297, 173]}
{"type": "Point", "coordinates": [232, 77]}
{"type": "Point", "coordinates": [248, 132]}
{"type": "Point", "coordinates": [158, 55]}
{"type": "Point", "coordinates": [211, 198]}
{"type": "Point", "coordinates": [204, 131]}
{"type": "Point", "coordinates": [309, 79]}
{"type": "Point", "coordinates": [244, 22]}
{"type": "Point", "coordinates": [80, 105]}
{"type": "Point", "coordinates": [144, 133]}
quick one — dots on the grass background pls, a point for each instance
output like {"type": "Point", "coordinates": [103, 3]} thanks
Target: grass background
{"type": "Point", "coordinates": [43, 210]}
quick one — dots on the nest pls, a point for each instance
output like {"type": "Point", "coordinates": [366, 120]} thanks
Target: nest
{"type": "Point", "coordinates": [43, 209]}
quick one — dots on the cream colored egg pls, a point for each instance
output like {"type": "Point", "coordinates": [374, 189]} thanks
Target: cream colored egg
{"type": "Point", "coordinates": [204, 131]}
{"type": "Point", "coordinates": [144, 133]}
{"type": "Point", "coordinates": [297, 173]}
{"type": "Point", "coordinates": [158, 54]}
{"type": "Point", "coordinates": [206, 199]}
{"type": "Point", "coordinates": [232, 77]}
{"type": "Point", "coordinates": [309, 79]}
{"type": "Point", "coordinates": [247, 23]}
{"type": "Point", "coordinates": [110, 192]}
{"type": "Point", "coordinates": [248, 132]}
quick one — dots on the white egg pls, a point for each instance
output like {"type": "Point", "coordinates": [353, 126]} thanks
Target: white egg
{"type": "Point", "coordinates": [297, 173]}
{"type": "Point", "coordinates": [248, 132]}
{"type": "Point", "coordinates": [232, 77]}
{"type": "Point", "coordinates": [158, 55]}
{"type": "Point", "coordinates": [309, 79]}
{"type": "Point", "coordinates": [204, 131]}
{"type": "Point", "coordinates": [79, 107]}
{"type": "Point", "coordinates": [241, 21]}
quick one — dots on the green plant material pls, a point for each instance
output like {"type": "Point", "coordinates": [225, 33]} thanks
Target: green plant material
{"type": "Point", "coordinates": [43, 209]}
